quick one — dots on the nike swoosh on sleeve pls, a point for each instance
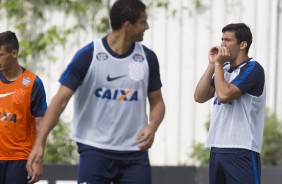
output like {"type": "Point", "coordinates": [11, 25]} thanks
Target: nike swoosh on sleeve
{"type": "Point", "coordinates": [6, 94]}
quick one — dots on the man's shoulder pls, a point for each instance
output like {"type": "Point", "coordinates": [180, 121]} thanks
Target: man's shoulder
{"type": "Point", "coordinates": [36, 79]}
{"type": "Point", "coordinates": [148, 52]}
{"type": "Point", "coordinates": [87, 47]}
{"type": "Point", "coordinates": [146, 49]}
{"type": "Point", "coordinates": [85, 51]}
{"type": "Point", "coordinates": [254, 65]}
{"type": "Point", "coordinates": [29, 72]}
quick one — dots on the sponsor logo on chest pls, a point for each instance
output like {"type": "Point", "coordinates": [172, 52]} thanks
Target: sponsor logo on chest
{"type": "Point", "coordinates": [117, 94]}
{"type": "Point", "coordinates": [8, 117]}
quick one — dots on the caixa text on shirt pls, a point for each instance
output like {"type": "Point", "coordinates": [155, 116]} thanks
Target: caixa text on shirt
{"type": "Point", "coordinates": [8, 117]}
{"type": "Point", "coordinates": [117, 94]}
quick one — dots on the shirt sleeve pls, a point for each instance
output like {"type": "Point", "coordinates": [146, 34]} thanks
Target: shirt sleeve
{"type": "Point", "coordinates": [251, 79]}
{"type": "Point", "coordinates": [73, 76]}
{"type": "Point", "coordinates": [38, 99]}
{"type": "Point", "coordinates": [154, 70]}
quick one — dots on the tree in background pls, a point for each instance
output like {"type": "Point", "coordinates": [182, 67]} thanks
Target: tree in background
{"type": "Point", "coordinates": [271, 146]}
{"type": "Point", "coordinates": [200, 154]}
{"type": "Point", "coordinates": [39, 36]}
{"type": "Point", "coordinates": [272, 141]}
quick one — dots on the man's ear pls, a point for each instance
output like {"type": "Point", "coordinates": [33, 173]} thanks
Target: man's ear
{"type": "Point", "coordinates": [127, 25]}
{"type": "Point", "coordinates": [243, 45]}
{"type": "Point", "coordinates": [14, 54]}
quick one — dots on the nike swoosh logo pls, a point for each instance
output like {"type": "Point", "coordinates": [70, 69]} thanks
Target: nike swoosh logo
{"type": "Point", "coordinates": [6, 94]}
{"type": "Point", "coordinates": [114, 78]}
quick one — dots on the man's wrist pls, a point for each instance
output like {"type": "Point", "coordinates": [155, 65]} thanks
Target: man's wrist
{"type": "Point", "coordinates": [218, 64]}
{"type": "Point", "coordinates": [154, 126]}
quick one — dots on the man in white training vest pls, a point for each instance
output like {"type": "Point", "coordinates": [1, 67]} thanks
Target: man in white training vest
{"type": "Point", "coordinates": [111, 79]}
{"type": "Point", "coordinates": [237, 84]}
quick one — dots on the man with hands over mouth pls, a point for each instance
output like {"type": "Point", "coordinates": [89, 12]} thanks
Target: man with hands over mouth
{"type": "Point", "coordinates": [237, 84]}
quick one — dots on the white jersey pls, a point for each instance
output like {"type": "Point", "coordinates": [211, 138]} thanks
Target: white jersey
{"type": "Point", "coordinates": [240, 123]}
{"type": "Point", "coordinates": [110, 104]}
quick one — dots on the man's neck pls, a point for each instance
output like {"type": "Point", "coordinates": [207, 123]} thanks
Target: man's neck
{"type": "Point", "coordinates": [240, 59]}
{"type": "Point", "coordinates": [13, 73]}
{"type": "Point", "coordinates": [119, 42]}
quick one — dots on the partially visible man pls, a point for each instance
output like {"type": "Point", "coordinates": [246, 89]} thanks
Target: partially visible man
{"type": "Point", "coordinates": [237, 83]}
{"type": "Point", "coordinates": [111, 79]}
{"type": "Point", "coordinates": [22, 105]}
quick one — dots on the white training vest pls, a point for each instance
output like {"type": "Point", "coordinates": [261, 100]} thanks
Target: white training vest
{"type": "Point", "coordinates": [240, 123]}
{"type": "Point", "coordinates": [110, 104]}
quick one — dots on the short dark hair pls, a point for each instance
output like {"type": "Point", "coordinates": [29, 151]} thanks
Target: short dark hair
{"type": "Point", "coordinates": [9, 40]}
{"type": "Point", "coordinates": [242, 33]}
{"type": "Point", "coordinates": [125, 10]}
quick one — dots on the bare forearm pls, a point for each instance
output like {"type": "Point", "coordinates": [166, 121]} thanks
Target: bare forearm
{"type": "Point", "coordinates": [221, 86]}
{"type": "Point", "coordinates": [225, 92]}
{"type": "Point", "coordinates": [51, 118]}
{"type": "Point", "coordinates": [145, 138]}
{"type": "Point", "coordinates": [35, 160]}
{"type": "Point", "coordinates": [202, 92]}
{"type": "Point", "coordinates": [157, 109]}
{"type": "Point", "coordinates": [157, 115]}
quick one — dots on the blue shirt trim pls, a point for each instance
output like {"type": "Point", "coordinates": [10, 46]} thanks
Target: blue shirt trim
{"type": "Point", "coordinates": [38, 98]}
{"type": "Point", "coordinates": [245, 74]}
{"type": "Point", "coordinates": [78, 54]}
{"type": "Point", "coordinates": [255, 168]}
